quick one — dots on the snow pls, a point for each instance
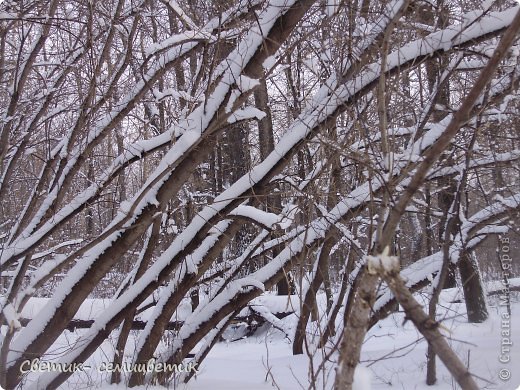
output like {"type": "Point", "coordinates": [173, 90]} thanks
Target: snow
{"type": "Point", "coordinates": [362, 379]}
{"type": "Point", "coordinates": [193, 126]}
{"type": "Point", "coordinates": [41, 320]}
{"type": "Point", "coordinates": [310, 117]}
{"type": "Point", "coordinates": [187, 36]}
{"type": "Point", "coordinates": [382, 262]}
{"type": "Point", "coordinates": [264, 218]}
{"type": "Point", "coordinates": [331, 7]}
{"type": "Point", "coordinates": [192, 129]}
{"type": "Point", "coordinates": [88, 310]}
{"type": "Point", "coordinates": [246, 113]}
{"type": "Point", "coordinates": [269, 63]}
{"type": "Point", "coordinates": [92, 308]}
{"type": "Point", "coordinates": [11, 316]}
{"type": "Point", "coordinates": [203, 312]}
{"type": "Point", "coordinates": [393, 355]}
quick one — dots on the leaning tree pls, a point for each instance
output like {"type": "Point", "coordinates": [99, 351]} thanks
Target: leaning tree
{"type": "Point", "coordinates": [153, 152]}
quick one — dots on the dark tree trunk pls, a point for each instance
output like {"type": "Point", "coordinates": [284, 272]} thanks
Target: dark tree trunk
{"type": "Point", "coordinates": [473, 291]}
{"type": "Point", "coordinates": [266, 143]}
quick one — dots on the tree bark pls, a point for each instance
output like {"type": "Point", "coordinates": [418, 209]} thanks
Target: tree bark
{"type": "Point", "coordinates": [474, 295]}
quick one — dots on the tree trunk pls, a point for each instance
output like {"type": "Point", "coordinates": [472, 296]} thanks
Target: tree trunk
{"type": "Point", "coordinates": [474, 295]}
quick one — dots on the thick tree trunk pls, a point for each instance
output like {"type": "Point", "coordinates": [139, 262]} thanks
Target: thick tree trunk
{"type": "Point", "coordinates": [474, 295]}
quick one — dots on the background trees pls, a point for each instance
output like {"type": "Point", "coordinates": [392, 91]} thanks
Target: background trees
{"type": "Point", "coordinates": [223, 149]}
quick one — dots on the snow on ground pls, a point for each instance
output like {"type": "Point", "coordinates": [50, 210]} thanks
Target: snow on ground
{"type": "Point", "coordinates": [393, 357]}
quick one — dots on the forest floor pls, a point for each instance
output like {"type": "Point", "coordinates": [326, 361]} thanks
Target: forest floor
{"type": "Point", "coordinates": [393, 356]}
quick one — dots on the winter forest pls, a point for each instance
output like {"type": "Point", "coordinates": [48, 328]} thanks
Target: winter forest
{"type": "Point", "coordinates": [181, 179]}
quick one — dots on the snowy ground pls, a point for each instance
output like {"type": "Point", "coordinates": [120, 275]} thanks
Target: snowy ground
{"type": "Point", "coordinates": [393, 355]}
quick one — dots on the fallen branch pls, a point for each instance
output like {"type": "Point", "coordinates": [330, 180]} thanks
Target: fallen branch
{"type": "Point", "coordinates": [85, 324]}
{"type": "Point", "coordinates": [264, 314]}
{"type": "Point", "coordinates": [172, 325]}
